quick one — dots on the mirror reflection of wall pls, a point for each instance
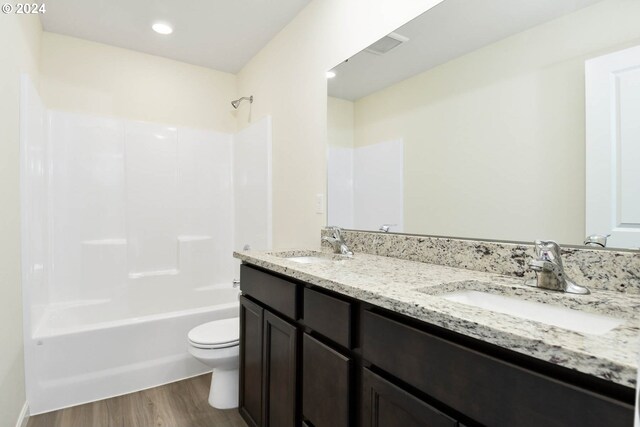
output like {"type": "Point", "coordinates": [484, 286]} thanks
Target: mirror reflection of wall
{"type": "Point", "coordinates": [365, 182]}
{"type": "Point", "coordinates": [486, 103]}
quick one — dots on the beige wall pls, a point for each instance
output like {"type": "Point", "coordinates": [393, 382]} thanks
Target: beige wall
{"type": "Point", "coordinates": [288, 80]}
{"type": "Point", "coordinates": [19, 52]}
{"type": "Point", "coordinates": [494, 140]}
{"type": "Point", "coordinates": [82, 76]}
{"type": "Point", "coordinates": [340, 122]}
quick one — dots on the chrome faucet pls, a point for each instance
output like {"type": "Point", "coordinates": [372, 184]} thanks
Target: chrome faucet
{"type": "Point", "coordinates": [597, 240]}
{"type": "Point", "coordinates": [549, 270]}
{"type": "Point", "coordinates": [336, 241]}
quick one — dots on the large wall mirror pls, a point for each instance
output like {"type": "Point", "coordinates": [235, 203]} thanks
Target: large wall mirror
{"type": "Point", "coordinates": [476, 120]}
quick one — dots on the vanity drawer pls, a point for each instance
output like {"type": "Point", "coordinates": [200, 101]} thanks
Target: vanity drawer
{"type": "Point", "coordinates": [277, 293]}
{"type": "Point", "coordinates": [487, 390]}
{"type": "Point", "coordinates": [328, 316]}
{"type": "Point", "coordinates": [387, 405]}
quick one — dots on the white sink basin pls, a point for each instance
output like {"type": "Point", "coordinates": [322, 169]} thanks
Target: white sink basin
{"type": "Point", "coordinates": [562, 317]}
{"type": "Point", "coordinates": [309, 259]}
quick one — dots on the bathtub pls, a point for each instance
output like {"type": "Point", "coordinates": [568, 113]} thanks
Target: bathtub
{"type": "Point", "coordinates": [89, 350]}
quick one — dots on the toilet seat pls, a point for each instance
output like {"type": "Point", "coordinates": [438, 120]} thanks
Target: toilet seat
{"type": "Point", "coordinates": [214, 346]}
{"type": "Point", "coordinates": [222, 333]}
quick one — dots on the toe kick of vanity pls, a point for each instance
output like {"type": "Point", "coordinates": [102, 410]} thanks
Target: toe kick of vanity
{"type": "Point", "coordinates": [314, 357]}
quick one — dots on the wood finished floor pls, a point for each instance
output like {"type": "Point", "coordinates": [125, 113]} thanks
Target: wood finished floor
{"type": "Point", "coordinates": [180, 404]}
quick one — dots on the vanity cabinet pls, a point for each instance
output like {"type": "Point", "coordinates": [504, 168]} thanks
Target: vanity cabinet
{"type": "Point", "coordinates": [488, 390]}
{"type": "Point", "coordinates": [286, 380]}
{"type": "Point", "coordinates": [326, 388]}
{"type": "Point", "coordinates": [268, 351]}
{"type": "Point", "coordinates": [311, 357]}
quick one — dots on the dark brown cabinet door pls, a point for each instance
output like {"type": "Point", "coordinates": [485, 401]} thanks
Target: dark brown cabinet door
{"type": "Point", "coordinates": [279, 375]}
{"type": "Point", "coordinates": [250, 401]}
{"type": "Point", "coordinates": [386, 405]}
{"type": "Point", "coordinates": [325, 384]}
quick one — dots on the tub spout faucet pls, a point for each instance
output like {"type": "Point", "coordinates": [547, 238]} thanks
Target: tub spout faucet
{"type": "Point", "coordinates": [549, 270]}
{"type": "Point", "coordinates": [337, 242]}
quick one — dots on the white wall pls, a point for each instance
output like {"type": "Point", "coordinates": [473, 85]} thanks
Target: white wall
{"type": "Point", "coordinates": [492, 136]}
{"type": "Point", "coordinates": [87, 77]}
{"type": "Point", "coordinates": [19, 52]}
{"type": "Point", "coordinates": [287, 78]}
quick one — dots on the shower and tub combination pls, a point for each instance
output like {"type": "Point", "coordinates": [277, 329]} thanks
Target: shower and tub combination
{"type": "Point", "coordinates": [128, 234]}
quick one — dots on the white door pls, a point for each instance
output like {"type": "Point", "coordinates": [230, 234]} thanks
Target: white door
{"type": "Point", "coordinates": [613, 147]}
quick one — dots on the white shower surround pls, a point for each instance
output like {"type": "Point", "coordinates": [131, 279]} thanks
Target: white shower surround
{"type": "Point", "coordinates": [128, 234]}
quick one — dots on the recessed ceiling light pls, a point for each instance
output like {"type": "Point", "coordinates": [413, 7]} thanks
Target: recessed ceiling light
{"type": "Point", "coordinates": [331, 74]}
{"type": "Point", "coordinates": [162, 28]}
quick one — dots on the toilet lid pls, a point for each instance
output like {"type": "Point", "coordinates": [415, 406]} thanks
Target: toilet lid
{"type": "Point", "coordinates": [219, 333]}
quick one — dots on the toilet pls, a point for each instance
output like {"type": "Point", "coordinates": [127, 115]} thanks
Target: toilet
{"type": "Point", "coordinates": [216, 344]}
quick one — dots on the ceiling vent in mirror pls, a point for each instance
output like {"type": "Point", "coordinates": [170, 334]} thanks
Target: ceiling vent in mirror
{"type": "Point", "coordinates": [387, 43]}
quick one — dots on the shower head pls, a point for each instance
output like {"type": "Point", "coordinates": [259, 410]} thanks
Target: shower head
{"type": "Point", "coordinates": [237, 102]}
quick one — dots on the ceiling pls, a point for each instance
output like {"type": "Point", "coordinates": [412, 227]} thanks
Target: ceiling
{"type": "Point", "coordinates": [449, 30]}
{"type": "Point", "coordinates": [219, 34]}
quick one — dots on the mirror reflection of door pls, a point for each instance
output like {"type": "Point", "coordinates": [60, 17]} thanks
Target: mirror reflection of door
{"type": "Point", "coordinates": [613, 147]}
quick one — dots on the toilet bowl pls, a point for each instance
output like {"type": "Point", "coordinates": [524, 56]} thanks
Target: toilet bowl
{"type": "Point", "coordinates": [216, 344]}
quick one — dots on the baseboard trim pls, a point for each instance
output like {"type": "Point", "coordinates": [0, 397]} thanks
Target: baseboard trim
{"type": "Point", "coordinates": [23, 418]}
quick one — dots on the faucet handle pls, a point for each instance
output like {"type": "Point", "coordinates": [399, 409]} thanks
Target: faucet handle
{"type": "Point", "coordinates": [549, 270]}
{"type": "Point", "coordinates": [596, 240]}
{"type": "Point", "coordinates": [548, 250]}
{"type": "Point", "coordinates": [336, 232]}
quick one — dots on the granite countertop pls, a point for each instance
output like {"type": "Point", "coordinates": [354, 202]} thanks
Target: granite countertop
{"type": "Point", "coordinates": [411, 288]}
